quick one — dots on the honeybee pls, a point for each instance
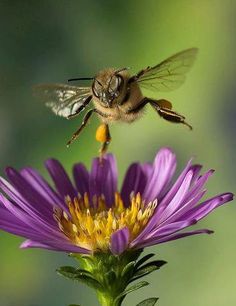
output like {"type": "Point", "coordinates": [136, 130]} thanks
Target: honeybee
{"type": "Point", "coordinates": [115, 95]}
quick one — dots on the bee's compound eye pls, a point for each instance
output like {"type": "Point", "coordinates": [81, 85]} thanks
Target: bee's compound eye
{"type": "Point", "coordinates": [112, 84]}
{"type": "Point", "coordinates": [97, 88]}
{"type": "Point", "coordinates": [120, 82]}
{"type": "Point", "coordinates": [115, 83]}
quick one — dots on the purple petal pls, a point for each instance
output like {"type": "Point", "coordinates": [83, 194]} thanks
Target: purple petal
{"type": "Point", "coordinates": [170, 229]}
{"type": "Point", "coordinates": [54, 245]}
{"type": "Point", "coordinates": [171, 193]}
{"type": "Point", "coordinates": [163, 170]}
{"type": "Point", "coordinates": [17, 222]}
{"type": "Point", "coordinates": [113, 169]}
{"type": "Point", "coordinates": [193, 215]}
{"type": "Point", "coordinates": [61, 179]}
{"type": "Point", "coordinates": [186, 207]}
{"type": "Point", "coordinates": [198, 184]}
{"type": "Point", "coordinates": [34, 210]}
{"type": "Point", "coordinates": [147, 170]}
{"type": "Point", "coordinates": [174, 237]}
{"type": "Point", "coordinates": [34, 244]}
{"type": "Point", "coordinates": [98, 177]}
{"type": "Point", "coordinates": [196, 171]}
{"type": "Point", "coordinates": [175, 217]}
{"type": "Point", "coordinates": [42, 187]}
{"type": "Point", "coordinates": [119, 241]}
{"type": "Point", "coordinates": [103, 179]}
{"type": "Point", "coordinates": [135, 181]}
{"type": "Point", "coordinates": [158, 217]}
{"type": "Point", "coordinates": [36, 223]}
{"type": "Point", "coordinates": [176, 201]}
{"type": "Point", "coordinates": [112, 178]}
{"type": "Point", "coordinates": [81, 177]}
{"type": "Point", "coordinates": [11, 224]}
{"type": "Point", "coordinates": [206, 207]}
{"type": "Point", "coordinates": [30, 195]}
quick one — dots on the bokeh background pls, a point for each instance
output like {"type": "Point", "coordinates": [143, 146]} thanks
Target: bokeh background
{"type": "Point", "coordinates": [51, 41]}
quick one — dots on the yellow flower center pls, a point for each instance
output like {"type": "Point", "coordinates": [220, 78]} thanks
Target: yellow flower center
{"type": "Point", "coordinates": [91, 226]}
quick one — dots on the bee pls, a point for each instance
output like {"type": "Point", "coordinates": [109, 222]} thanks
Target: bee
{"type": "Point", "coordinates": [116, 96]}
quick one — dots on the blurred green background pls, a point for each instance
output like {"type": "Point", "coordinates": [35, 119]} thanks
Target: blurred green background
{"type": "Point", "coordinates": [51, 41]}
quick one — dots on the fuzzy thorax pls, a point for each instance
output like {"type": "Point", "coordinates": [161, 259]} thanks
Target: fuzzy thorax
{"type": "Point", "coordinates": [91, 225]}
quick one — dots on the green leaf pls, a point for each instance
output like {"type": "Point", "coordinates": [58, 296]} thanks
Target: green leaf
{"type": "Point", "coordinates": [128, 270]}
{"type": "Point", "coordinates": [142, 272]}
{"type": "Point", "coordinates": [89, 281]}
{"type": "Point", "coordinates": [67, 271]}
{"type": "Point", "coordinates": [147, 269]}
{"type": "Point", "coordinates": [80, 275]}
{"type": "Point", "coordinates": [74, 305]}
{"type": "Point", "coordinates": [71, 272]}
{"type": "Point", "coordinates": [148, 302]}
{"type": "Point", "coordinates": [110, 278]}
{"type": "Point", "coordinates": [84, 260]}
{"type": "Point", "coordinates": [83, 272]}
{"type": "Point", "coordinates": [131, 289]}
{"type": "Point", "coordinates": [157, 263]}
{"type": "Point", "coordinates": [143, 259]}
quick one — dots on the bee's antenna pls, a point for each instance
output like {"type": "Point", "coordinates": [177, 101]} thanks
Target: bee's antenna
{"type": "Point", "coordinates": [79, 79]}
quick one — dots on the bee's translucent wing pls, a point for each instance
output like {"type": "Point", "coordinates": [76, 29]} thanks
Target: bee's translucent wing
{"type": "Point", "coordinates": [169, 74]}
{"type": "Point", "coordinates": [64, 100]}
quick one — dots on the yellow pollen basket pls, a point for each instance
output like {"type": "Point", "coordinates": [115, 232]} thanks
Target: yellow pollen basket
{"type": "Point", "coordinates": [91, 225]}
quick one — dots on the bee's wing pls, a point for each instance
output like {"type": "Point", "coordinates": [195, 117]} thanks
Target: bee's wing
{"type": "Point", "coordinates": [169, 74]}
{"type": "Point", "coordinates": [64, 100]}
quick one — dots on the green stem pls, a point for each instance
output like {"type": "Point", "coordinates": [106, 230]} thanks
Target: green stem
{"type": "Point", "coordinates": [106, 300]}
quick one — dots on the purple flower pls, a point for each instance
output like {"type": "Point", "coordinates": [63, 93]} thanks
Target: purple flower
{"type": "Point", "coordinates": [90, 214]}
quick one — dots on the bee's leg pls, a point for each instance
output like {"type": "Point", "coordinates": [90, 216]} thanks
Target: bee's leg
{"type": "Point", "coordinates": [140, 106]}
{"type": "Point", "coordinates": [84, 123]}
{"type": "Point", "coordinates": [163, 107]}
{"type": "Point", "coordinates": [157, 104]}
{"type": "Point", "coordinates": [103, 136]}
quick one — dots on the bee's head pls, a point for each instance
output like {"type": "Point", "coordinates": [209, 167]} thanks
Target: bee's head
{"type": "Point", "coordinates": [108, 85]}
